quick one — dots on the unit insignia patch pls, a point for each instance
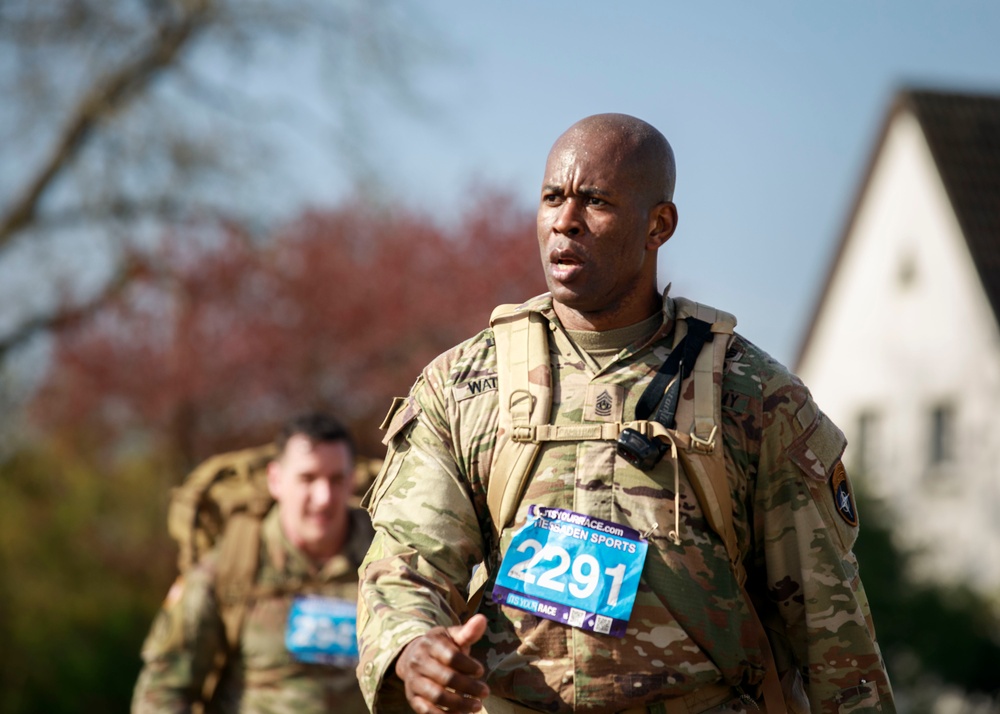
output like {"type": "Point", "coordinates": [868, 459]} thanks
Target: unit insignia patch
{"type": "Point", "coordinates": [842, 496]}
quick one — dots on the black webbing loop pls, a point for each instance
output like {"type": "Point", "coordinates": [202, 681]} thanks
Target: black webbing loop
{"type": "Point", "coordinates": [682, 359]}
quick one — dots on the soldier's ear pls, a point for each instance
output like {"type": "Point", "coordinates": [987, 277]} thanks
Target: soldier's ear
{"type": "Point", "coordinates": [662, 224]}
{"type": "Point", "coordinates": [274, 480]}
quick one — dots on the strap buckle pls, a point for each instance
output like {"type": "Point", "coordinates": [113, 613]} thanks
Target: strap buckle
{"type": "Point", "coordinates": [706, 446]}
{"type": "Point", "coordinates": [523, 433]}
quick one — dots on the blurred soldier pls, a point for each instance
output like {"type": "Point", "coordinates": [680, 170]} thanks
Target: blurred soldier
{"type": "Point", "coordinates": [681, 540]}
{"type": "Point", "coordinates": [282, 637]}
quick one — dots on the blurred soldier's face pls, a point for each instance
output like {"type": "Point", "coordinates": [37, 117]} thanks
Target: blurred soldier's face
{"type": "Point", "coordinates": [312, 482]}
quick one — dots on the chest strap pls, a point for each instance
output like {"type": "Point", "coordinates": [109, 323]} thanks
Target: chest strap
{"type": "Point", "coordinates": [585, 432]}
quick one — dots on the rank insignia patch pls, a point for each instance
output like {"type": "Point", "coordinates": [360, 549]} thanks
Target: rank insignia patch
{"type": "Point", "coordinates": [842, 497]}
{"type": "Point", "coordinates": [604, 402]}
{"type": "Point", "coordinates": [603, 405]}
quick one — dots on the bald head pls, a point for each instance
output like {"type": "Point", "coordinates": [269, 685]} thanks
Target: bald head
{"type": "Point", "coordinates": [634, 144]}
{"type": "Point", "coordinates": [605, 211]}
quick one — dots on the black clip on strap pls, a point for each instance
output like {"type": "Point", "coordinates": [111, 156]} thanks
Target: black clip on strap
{"type": "Point", "coordinates": [639, 450]}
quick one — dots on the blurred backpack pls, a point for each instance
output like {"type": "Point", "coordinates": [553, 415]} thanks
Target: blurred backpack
{"type": "Point", "coordinates": [222, 503]}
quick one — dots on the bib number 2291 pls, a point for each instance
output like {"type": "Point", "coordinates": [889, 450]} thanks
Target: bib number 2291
{"type": "Point", "coordinates": [574, 569]}
{"type": "Point", "coordinates": [586, 571]}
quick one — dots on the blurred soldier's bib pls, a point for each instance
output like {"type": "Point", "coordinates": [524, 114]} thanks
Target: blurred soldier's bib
{"type": "Point", "coordinates": [222, 504]}
{"type": "Point", "coordinates": [323, 630]}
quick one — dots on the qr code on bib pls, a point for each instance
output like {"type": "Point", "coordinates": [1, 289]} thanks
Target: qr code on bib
{"type": "Point", "coordinates": [602, 624]}
{"type": "Point", "coordinates": [576, 617]}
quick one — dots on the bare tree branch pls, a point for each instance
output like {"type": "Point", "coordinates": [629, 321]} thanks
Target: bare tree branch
{"type": "Point", "coordinates": [141, 117]}
{"type": "Point", "coordinates": [108, 94]}
{"type": "Point", "coordinates": [165, 208]}
{"type": "Point", "coordinates": [70, 315]}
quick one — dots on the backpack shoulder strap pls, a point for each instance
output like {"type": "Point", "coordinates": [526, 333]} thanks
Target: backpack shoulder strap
{"type": "Point", "coordinates": [700, 420]}
{"type": "Point", "coordinates": [239, 559]}
{"type": "Point", "coordinates": [236, 577]}
{"type": "Point", "coordinates": [524, 383]}
{"type": "Point", "coordinates": [704, 460]}
{"type": "Point", "coordinates": [707, 374]}
{"type": "Point", "coordinates": [239, 513]}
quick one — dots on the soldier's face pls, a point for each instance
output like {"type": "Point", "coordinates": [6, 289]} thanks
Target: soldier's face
{"type": "Point", "coordinates": [593, 229]}
{"type": "Point", "coordinates": [312, 482]}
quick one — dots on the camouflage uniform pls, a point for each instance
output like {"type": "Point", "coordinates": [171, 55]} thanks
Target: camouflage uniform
{"type": "Point", "coordinates": [262, 676]}
{"type": "Point", "coordinates": [690, 627]}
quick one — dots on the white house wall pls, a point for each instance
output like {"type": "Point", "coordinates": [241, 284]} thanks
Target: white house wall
{"type": "Point", "coordinates": [897, 349]}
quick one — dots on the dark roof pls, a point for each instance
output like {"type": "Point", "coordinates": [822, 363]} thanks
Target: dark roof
{"type": "Point", "coordinates": [963, 132]}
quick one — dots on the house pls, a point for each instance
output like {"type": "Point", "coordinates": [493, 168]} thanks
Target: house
{"type": "Point", "coordinates": [903, 348]}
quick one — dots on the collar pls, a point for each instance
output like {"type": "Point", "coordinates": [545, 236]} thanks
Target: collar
{"type": "Point", "coordinates": [543, 304]}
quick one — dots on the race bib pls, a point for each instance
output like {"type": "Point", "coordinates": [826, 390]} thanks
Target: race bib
{"type": "Point", "coordinates": [571, 568]}
{"type": "Point", "coordinates": [323, 630]}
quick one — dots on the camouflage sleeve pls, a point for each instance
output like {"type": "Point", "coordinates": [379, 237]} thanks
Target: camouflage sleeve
{"type": "Point", "coordinates": [427, 539]}
{"type": "Point", "coordinates": [805, 526]}
{"type": "Point", "coordinates": [181, 648]}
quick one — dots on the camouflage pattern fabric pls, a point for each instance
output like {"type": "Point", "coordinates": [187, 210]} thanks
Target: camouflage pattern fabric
{"type": "Point", "coordinates": [188, 635]}
{"type": "Point", "coordinates": [690, 626]}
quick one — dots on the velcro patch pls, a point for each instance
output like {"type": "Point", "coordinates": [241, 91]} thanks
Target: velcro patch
{"type": "Point", "coordinates": [843, 499]}
{"type": "Point", "coordinates": [401, 412]}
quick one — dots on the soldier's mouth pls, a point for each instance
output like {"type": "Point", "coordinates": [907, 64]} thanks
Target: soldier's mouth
{"type": "Point", "coordinates": [564, 256]}
{"type": "Point", "coordinates": [565, 265]}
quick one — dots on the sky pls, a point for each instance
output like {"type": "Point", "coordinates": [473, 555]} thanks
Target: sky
{"type": "Point", "coordinates": [772, 108]}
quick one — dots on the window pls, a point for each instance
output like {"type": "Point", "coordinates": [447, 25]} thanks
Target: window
{"type": "Point", "coordinates": [866, 443]}
{"type": "Point", "coordinates": [942, 438]}
{"type": "Point", "coordinates": [906, 272]}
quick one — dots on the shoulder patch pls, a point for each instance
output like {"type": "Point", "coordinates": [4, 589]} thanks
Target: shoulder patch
{"type": "Point", "coordinates": [818, 449]}
{"type": "Point", "coordinates": [843, 499]}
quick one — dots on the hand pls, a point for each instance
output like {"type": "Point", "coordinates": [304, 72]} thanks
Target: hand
{"type": "Point", "coordinates": [438, 673]}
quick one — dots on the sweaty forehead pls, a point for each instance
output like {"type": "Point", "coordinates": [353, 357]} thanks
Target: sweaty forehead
{"type": "Point", "coordinates": [588, 157]}
{"type": "Point", "coordinates": [597, 141]}
{"type": "Point", "coordinates": [618, 151]}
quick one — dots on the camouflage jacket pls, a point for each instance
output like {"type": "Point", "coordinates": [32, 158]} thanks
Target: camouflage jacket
{"type": "Point", "coordinates": [262, 676]}
{"type": "Point", "coordinates": [690, 626]}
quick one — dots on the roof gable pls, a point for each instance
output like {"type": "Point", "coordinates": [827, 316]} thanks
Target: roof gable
{"type": "Point", "coordinates": [962, 131]}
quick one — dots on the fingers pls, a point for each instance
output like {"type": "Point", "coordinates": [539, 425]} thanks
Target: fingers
{"type": "Point", "coordinates": [425, 697]}
{"type": "Point", "coordinates": [438, 673]}
{"type": "Point", "coordinates": [468, 634]}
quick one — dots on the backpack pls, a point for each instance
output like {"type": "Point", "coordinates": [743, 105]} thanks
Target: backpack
{"type": "Point", "coordinates": [525, 399]}
{"type": "Point", "coordinates": [222, 503]}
